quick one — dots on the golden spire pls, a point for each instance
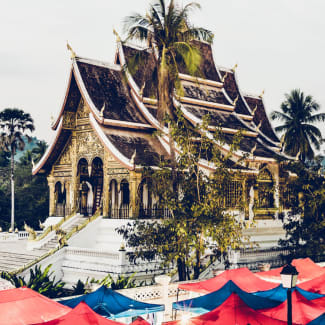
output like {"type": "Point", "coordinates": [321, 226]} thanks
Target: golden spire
{"type": "Point", "coordinates": [253, 150]}
{"type": "Point", "coordinates": [262, 93]}
{"type": "Point", "coordinates": [142, 89]}
{"type": "Point", "coordinates": [118, 38]}
{"type": "Point", "coordinates": [72, 52]}
{"type": "Point", "coordinates": [236, 100]}
{"type": "Point", "coordinates": [297, 156]}
{"type": "Point", "coordinates": [101, 114]}
{"type": "Point", "coordinates": [224, 77]}
{"type": "Point", "coordinates": [235, 67]}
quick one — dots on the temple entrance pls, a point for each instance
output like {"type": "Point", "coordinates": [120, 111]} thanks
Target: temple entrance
{"type": "Point", "coordinates": [91, 185]}
{"type": "Point", "coordinates": [60, 200]}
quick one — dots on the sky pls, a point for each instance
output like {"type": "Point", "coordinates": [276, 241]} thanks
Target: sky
{"type": "Point", "coordinates": [278, 45]}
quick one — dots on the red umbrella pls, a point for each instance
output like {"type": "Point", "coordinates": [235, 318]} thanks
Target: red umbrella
{"type": "Point", "coordinates": [305, 266]}
{"type": "Point", "coordinates": [140, 321]}
{"type": "Point", "coordinates": [232, 312]}
{"type": "Point", "coordinates": [315, 285]}
{"type": "Point", "coordinates": [81, 315]}
{"type": "Point", "coordinates": [21, 306]}
{"type": "Point", "coordinates": [303, 310]}
{"type": "Point", "coordinates": [243, 278]}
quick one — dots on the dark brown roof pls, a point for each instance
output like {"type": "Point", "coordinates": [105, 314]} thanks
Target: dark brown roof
{"type": "Point", "coordinates": [232, 90]}
{"type": "Point", "coordinates": [217, 118]}
{"type": "Point", "coordinates": [145, 73]}
{"type": "Point", "coordinates": [207, 69]}
{"type": "Point", "coordinates": [260, 115]}
{"type": "Point", "coordinates": [148, 149]}
{"type": "Point", "coordinates": [247, 144]}
{"type": "Point", "coordinates": [206, 94]}
{"type": "Point", "coordinates": [107, 86]}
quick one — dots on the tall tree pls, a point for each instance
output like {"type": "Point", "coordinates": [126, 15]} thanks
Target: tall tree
{"type": "Point", "coordinates": [168, 30]}
{"type": "Point", "coordinates": [14, 123]}
{"type": "Point", "coordinates": [299, 131]}
{"type": "Point", "coordinates": [200, 221]}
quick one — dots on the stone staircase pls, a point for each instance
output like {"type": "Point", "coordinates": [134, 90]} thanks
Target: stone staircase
{"type": "Point", "coordinates": [15, 254]}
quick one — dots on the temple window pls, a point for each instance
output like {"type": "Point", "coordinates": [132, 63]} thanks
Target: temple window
{"type": "Point", "coordinates": [125, 199]}
{"type": "Point", "coordinates": [265, 189]}
{"type": "Point", "coordinates": [60, 199]}
{"type": "Point", "coordinates": [234, 194]}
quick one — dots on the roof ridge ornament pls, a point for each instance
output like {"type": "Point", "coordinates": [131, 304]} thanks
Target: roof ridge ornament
{"type": "Point", "coordinates": [262, 94]}
{"type": "Point", "coordinates": [72, 52]}
{"type": "Point", "coordinates": [236, 100]}
{"type": "Point", "coordinates": [297, 156]}
{"type": "Point", "coordinates": [142, 89]}
{"type": "Point", "coordinates": [235, 67]}
{"type": "Point", "coordinates": [118, 38]}
{"type": "Point", "coordinates": [254, 110]}
{"type": "Point", "coordinates": [133, 157]}
{"type": "Point", "coordinates": [259, 126]}
{"type": "Point", "coordinates": [253, 150]}
{"type": "Point", "coordinates": [224, 77]}
{"type": "Point", "coordinates": [101, 114]}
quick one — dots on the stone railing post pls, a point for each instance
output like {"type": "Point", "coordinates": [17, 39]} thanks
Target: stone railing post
{"type": "Point", "coordinates": [164, 280]}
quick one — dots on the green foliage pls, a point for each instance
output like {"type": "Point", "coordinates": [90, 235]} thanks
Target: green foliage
{"type": "Point", "coordinates": [199, 219]}
{"type": "Point", "coordinates": [31, 198]}
{"type": "Point", "coordinates": [169, 31]}
{"type": "Point", "coordinates": [122, 282]}
{"type": "Point", "coordinates": [41, 281]}
{"type": "Point", "coordinates": [78, 289]}
{"type": "Point", "coordinates": [299, 131]}
{"type": "Point", "coordinates": [306, 234]}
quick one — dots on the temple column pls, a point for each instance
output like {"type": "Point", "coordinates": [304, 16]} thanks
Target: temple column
{"type": "Point", "coordinates": [106, 180]}
{"type": "Point", "coordinates": [135, 180]}
{"type": "Point", "coordinates": [74, 176]}
{"type": "Point", "coordinates": [51, 184]}
{"type": "Point", "coordinates": [67, 203]}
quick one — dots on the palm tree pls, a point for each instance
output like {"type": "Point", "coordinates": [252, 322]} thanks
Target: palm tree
{"type": "Point", "coordinates": [14, 124]}
{"type": "Point", "coordinates": [167, 29]}
{"type": "Point", "coordinates": [299, 133]}
{"type": "Point", "coordinates": [39, 150]}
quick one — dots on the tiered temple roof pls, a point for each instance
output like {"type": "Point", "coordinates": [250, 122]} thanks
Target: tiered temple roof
{"type": "Point", "coordinates": [123, 109]}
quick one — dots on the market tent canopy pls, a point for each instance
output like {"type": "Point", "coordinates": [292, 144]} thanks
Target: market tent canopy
{"type": "Point", "coordinates": [25, 306]}
{"type": "Point", "coordinates": [305, 266]}
{"type": "Point", "coordinates": [206, 303]}
{"type": "Point", "coordinates": [280, 294]}
{"type": "Point", "coordinates": [232, 312]}
{"type": "Point", "coordinates": [243, 278]}
{"type": "Point", "coordinates": [81, 315]}
{"type": "Point", "coordinates": [315, 285]}
{"type": "Point", "coordinates": [303, 310]}
{"type": "Point", "coordinates": [109, 303]}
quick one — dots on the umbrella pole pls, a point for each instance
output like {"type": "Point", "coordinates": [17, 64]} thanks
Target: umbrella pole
{"type": "Point", "coordinates": [175, 314]}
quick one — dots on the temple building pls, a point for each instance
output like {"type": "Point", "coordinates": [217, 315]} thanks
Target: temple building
{"type": "Point", "coordinates": [105, 135]}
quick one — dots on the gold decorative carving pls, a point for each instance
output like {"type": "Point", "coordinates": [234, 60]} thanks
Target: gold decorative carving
{"type": "Point", "coordinates": [88, 145]}
{"type": "Point", "coordinates": [69, 120]}
{"type": "Point", "coordinates": [82, 111]}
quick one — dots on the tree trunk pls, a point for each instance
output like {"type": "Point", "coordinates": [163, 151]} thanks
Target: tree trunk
{"type": "Point", "coordinates": [12, 166]}
{"type": "Point", "coordinates": [181, 268]}
{"type": "Point", "coordinates": [165, 106]}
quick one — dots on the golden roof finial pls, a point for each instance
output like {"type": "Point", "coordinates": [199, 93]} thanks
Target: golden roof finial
{"type": "Point", "coordinates": [262, 93]}
{"type": "Point", "coordinates": [235, 67]}
{"type": "Point", "coordinates": [254, 110]}
{"type": "Point", "coordinates": [133, 157]}
{"type": "Point", "coordinates": [72, 52]}
{"type": "Point", "coordinates": [259, 126]}
{"type": "Point", "coordinates": [118, 38]}
{"type": "Point", "coordinates": [142, 89]}
{"type": "Point", "coordinates": [253, 150]}
{"type": "Point", "coordinates": [297, 156]}
{"type": "Point", "coordinates": [224, 77]}
{"type": "Point", "coordinates": [101, 114]}
{"type": "Point", "coordinates": [52, 119]}
{"type": "Point", "coordinates": [236, 100]}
